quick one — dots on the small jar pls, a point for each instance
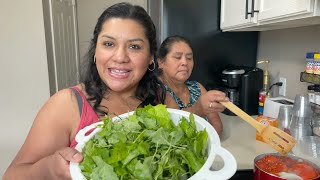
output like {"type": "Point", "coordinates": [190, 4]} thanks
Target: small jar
{"type": "Point", "coordinates": [310, 62]}
{"type": "Point", "coordinates": [316, 63]}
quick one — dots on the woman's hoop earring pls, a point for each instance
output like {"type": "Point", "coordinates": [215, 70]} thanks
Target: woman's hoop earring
{"type": "Point", "coordinates": [94, 59]}
{"type": "Point", "coordinates": [154, 66]}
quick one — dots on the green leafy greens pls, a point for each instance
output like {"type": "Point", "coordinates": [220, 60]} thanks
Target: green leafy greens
{"type": "Point", "coordinates": [145, 145]}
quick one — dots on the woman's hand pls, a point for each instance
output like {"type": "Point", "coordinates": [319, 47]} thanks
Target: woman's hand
{"type": "Point", "coordinates": [59, 167]}
{"type": "Point", "coordinates": [210, 101]}
{"type": "Point", "coordinates": [55, 166]}
{"type": "Point", "coordinates": [210, 106]}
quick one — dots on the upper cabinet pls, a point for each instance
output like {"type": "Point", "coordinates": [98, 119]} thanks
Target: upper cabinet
{"type": "Point", "coordinates": [261, 15]}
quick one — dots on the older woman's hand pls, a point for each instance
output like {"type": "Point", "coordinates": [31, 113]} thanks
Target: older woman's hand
{"type": "Point", "coordinates": [210, 101]}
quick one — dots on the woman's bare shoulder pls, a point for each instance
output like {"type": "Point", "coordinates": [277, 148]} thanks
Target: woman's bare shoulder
{"type": "Point", "coordinates": [52, 127]}
{"type": "Point", "coordinates": [202, 88]}
{"type": "Point", "coordinates": [60, 107]}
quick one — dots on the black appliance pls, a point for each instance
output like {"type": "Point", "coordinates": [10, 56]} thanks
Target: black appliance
{"type": "Point", "coordinates": [242, 85]}
{"type": "Point", "coordinates": [199, 21]}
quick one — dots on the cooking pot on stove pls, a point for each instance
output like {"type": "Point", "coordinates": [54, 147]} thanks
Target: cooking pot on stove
{"type": "Point", "coordinates": [290, 167]}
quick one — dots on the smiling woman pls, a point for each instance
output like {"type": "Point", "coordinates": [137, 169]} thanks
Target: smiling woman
{"type": "Point", "coordinates": [122, 57]}
{"type": "Point", "coordinates": [115, 80]}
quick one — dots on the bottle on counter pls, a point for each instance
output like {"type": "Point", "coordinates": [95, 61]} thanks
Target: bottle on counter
{"type": "Point", "coordinates": [263, 92]}
{"type": "Point", "coordinates": [262, 98]}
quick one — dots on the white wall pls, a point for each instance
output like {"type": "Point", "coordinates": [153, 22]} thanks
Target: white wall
{"type": "Point", "coordinates": [23, 73]}
{"type": "Point", "coordinates": [286, 49]}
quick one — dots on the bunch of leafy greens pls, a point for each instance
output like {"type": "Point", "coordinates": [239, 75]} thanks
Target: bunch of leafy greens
{"type": "Point", "coordinates": [145, 145]}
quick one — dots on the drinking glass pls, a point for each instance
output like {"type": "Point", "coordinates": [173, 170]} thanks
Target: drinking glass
{"type": "Point", "coordinates": [308, 147]}
{"type": "Point", "coordinates": [302, 106]}
{"type": "Point", "coordinates": [284, 117]}
{"type": "Point", "coordinates": [300, 123]}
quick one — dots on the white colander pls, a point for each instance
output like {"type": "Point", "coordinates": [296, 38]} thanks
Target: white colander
{"type": "Point", "coordinates": [205, 173]}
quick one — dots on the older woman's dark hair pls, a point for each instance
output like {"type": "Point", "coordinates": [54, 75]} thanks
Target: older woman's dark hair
{"type": "Point", "coordinates": [166, 46]}
{"type": "Point", "coordinates": [148, 90]}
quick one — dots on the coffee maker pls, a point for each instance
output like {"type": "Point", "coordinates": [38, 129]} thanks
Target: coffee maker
{"type": "Point", "coordinates": [242, 85]}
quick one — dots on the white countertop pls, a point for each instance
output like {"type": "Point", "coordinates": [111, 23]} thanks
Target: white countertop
{"type": "Point", "coordinates": [239, 138]}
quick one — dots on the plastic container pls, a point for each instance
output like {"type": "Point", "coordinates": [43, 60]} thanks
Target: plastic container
{"type": "Point", "coordinates": [265, 121]}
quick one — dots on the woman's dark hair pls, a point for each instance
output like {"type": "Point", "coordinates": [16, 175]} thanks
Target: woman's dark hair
{"type": "Point", "coordinates": [150, 90]}
{"type": "Point", "coordinates": [166, 46]}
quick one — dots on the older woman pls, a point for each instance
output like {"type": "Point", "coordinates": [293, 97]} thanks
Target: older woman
{"type": "Point", "coordinates": [175, 61]}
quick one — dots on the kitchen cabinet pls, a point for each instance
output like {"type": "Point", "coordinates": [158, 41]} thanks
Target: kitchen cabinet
{"type": "Point", "coordinates": [261, 15]}
{"type": "Point", "coordinates": [233, 14]}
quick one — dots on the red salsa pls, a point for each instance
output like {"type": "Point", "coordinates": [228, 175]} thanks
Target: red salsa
{"type": "Point", "coordinates": [274, 164]}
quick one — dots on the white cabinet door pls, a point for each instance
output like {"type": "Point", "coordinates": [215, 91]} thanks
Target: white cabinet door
{"type": "Point", "coordinates": [272, 14]}
{"type": "Point", "coordinates": [233, 13]}
{"type": "Point", "coordinates": [274, 9]}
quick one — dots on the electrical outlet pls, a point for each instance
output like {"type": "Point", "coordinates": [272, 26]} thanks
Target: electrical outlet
{"type": "Point", "coordinates": [282, 89]}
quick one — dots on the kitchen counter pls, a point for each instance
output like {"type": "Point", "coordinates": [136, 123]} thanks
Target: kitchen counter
{"type": "Point", "coordinates": [239, 138]}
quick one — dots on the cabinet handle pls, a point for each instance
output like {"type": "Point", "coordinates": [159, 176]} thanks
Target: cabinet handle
{"type": "Point", "coordinates": [246, 15]}
{"type": "Point", "coordinates": [252, 9]}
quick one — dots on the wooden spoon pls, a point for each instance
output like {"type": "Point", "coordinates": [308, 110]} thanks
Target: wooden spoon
{"type": "Point", "coordinates": [276, 138]}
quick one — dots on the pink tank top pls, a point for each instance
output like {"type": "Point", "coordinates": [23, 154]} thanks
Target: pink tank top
{"type": "Point", "coordinates": [87, 115]}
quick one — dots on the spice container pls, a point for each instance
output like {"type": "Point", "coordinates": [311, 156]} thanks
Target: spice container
{"type": "Point", "coordinates": [265, 121]}
{"type": "Point", "coordinates": [316, 64]}
{"type": "Point", "coordinates": [310, 62]}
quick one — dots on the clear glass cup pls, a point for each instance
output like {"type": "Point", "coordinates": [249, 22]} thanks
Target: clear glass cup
{"type": "Point", "coordinates": [300, 124]}
{"type": "Point", "coordinates": [308, 147]}
{"type": "Point", "coordinates": [316, 119]}
{"type": "Point", "coordinates": [302, 106]}
{"type": "Point", "coordinates": [284, 117]}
